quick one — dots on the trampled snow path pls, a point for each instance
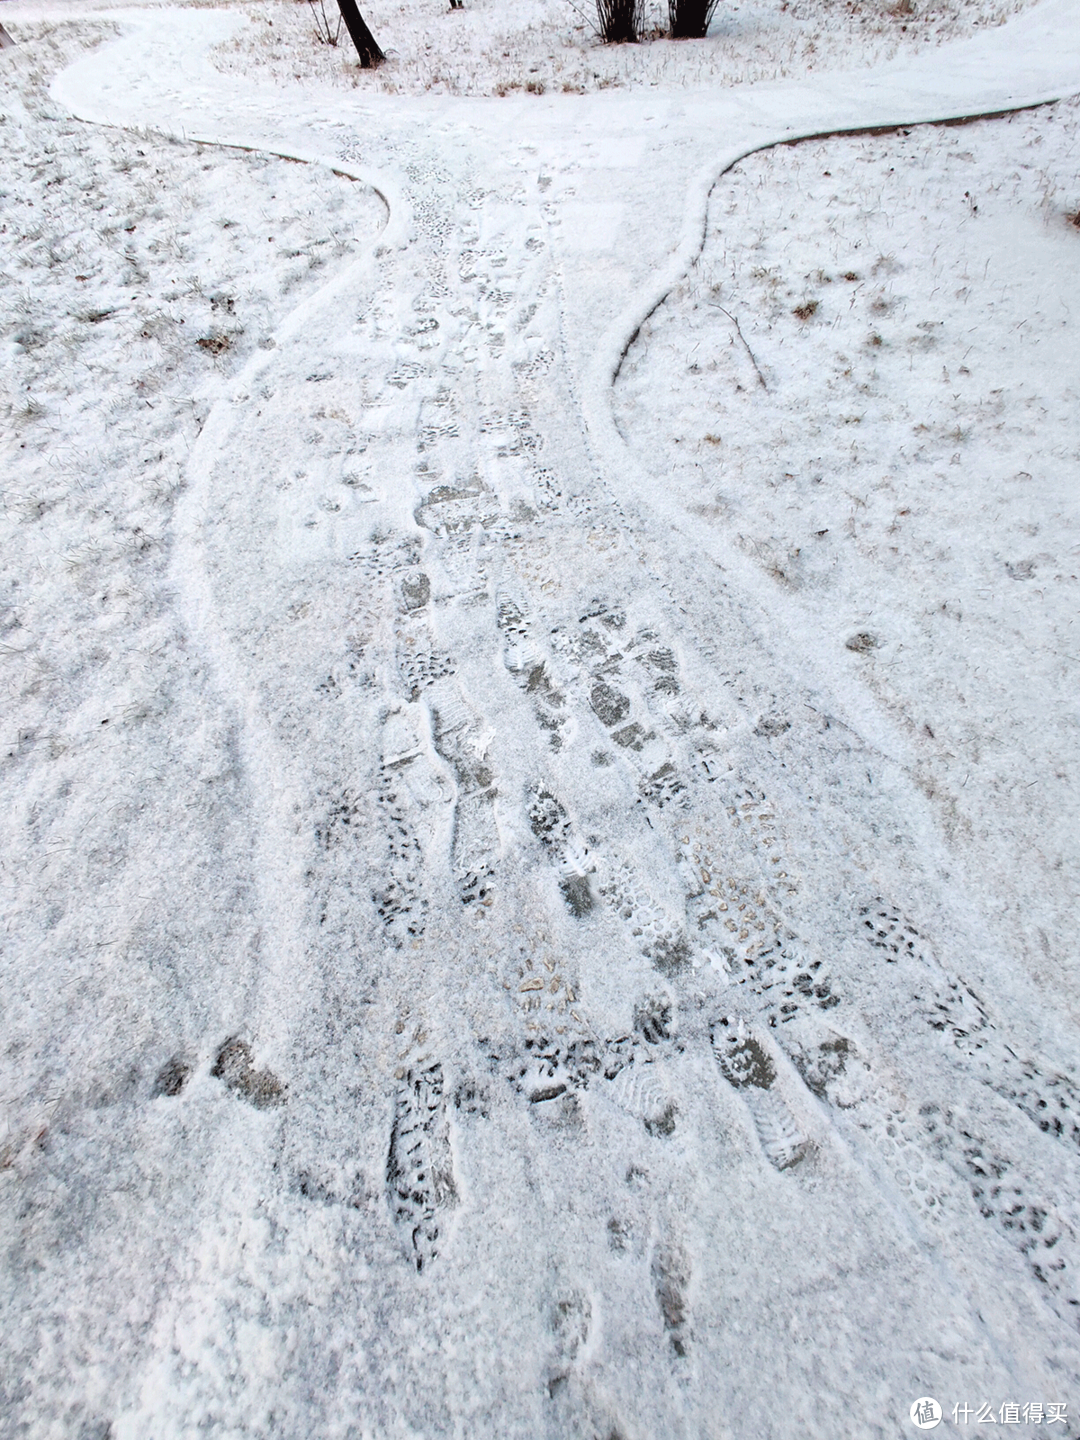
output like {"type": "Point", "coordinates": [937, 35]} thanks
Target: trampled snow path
{"type": "Point", "coordinates": [594, 1088]}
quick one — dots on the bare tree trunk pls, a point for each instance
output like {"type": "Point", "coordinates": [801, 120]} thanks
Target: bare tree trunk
{"type": "Point", "coordinates": [362, 38]}
{"type": "Point", "coordinates": [5, 39]}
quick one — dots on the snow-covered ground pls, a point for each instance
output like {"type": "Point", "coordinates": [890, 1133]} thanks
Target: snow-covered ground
{"type": "Point", "coordinates": [540, 841]}
{"type": "Point", "coordinates": [537, 46]}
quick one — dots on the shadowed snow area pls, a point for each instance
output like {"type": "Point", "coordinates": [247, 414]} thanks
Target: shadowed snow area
{"type": "Point", "coordinates": [540, 841]}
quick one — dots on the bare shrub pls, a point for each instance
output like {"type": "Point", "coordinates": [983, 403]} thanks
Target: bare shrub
{"type": "Point", "coordinates": [619, 21]}
{"type": "Point", "coordinates": [328, 34]}
{"type": "Point", "coordinates": [690, 18]}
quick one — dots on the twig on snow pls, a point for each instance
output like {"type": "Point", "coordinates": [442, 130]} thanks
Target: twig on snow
{"type": "Point", "coordinates": [742, 337]}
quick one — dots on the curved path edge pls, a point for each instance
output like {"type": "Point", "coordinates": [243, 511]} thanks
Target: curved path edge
{"type": "Point", "coordinates": [278, 868]}
{"type": "Point", "coordinates": [1031, 61]}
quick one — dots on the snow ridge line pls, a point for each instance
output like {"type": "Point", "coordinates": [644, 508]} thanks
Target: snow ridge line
{"type": "Point", "coordinates": [790, 632]}
{"type": "Point", "coordinates": [1054, 18]}
{"type": "Point", "coordinates": [696, 218]}
{"type": "Point", "coordinates": [66, 90]}
{"type": "Point", "coordinates": [792, 636]}
{"type": "Point", "coordinates": [280, 851]}
{"type": "Point", "coordinates": [278, 858]}
{"type": "Point", "coordinates": [395, 229]}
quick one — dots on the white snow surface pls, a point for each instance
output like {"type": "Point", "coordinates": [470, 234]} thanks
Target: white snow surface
{"type": "Point", "coordinates": [538, 46]}
{"type": "Point", "coordinates": [540, 840]}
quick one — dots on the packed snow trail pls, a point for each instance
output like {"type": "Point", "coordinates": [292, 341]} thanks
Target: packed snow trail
{"type": "Point", "coordinates": [591, 1087]}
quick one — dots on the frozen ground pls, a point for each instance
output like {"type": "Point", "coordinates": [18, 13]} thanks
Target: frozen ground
{"type": "Point", "coordinates": [489, 48]}
{"type": "Point", "coordinates": [539, 826]}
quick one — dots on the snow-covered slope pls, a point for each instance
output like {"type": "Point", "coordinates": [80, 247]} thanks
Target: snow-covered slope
{"type": "Point", "coordinates": [540, 892]}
